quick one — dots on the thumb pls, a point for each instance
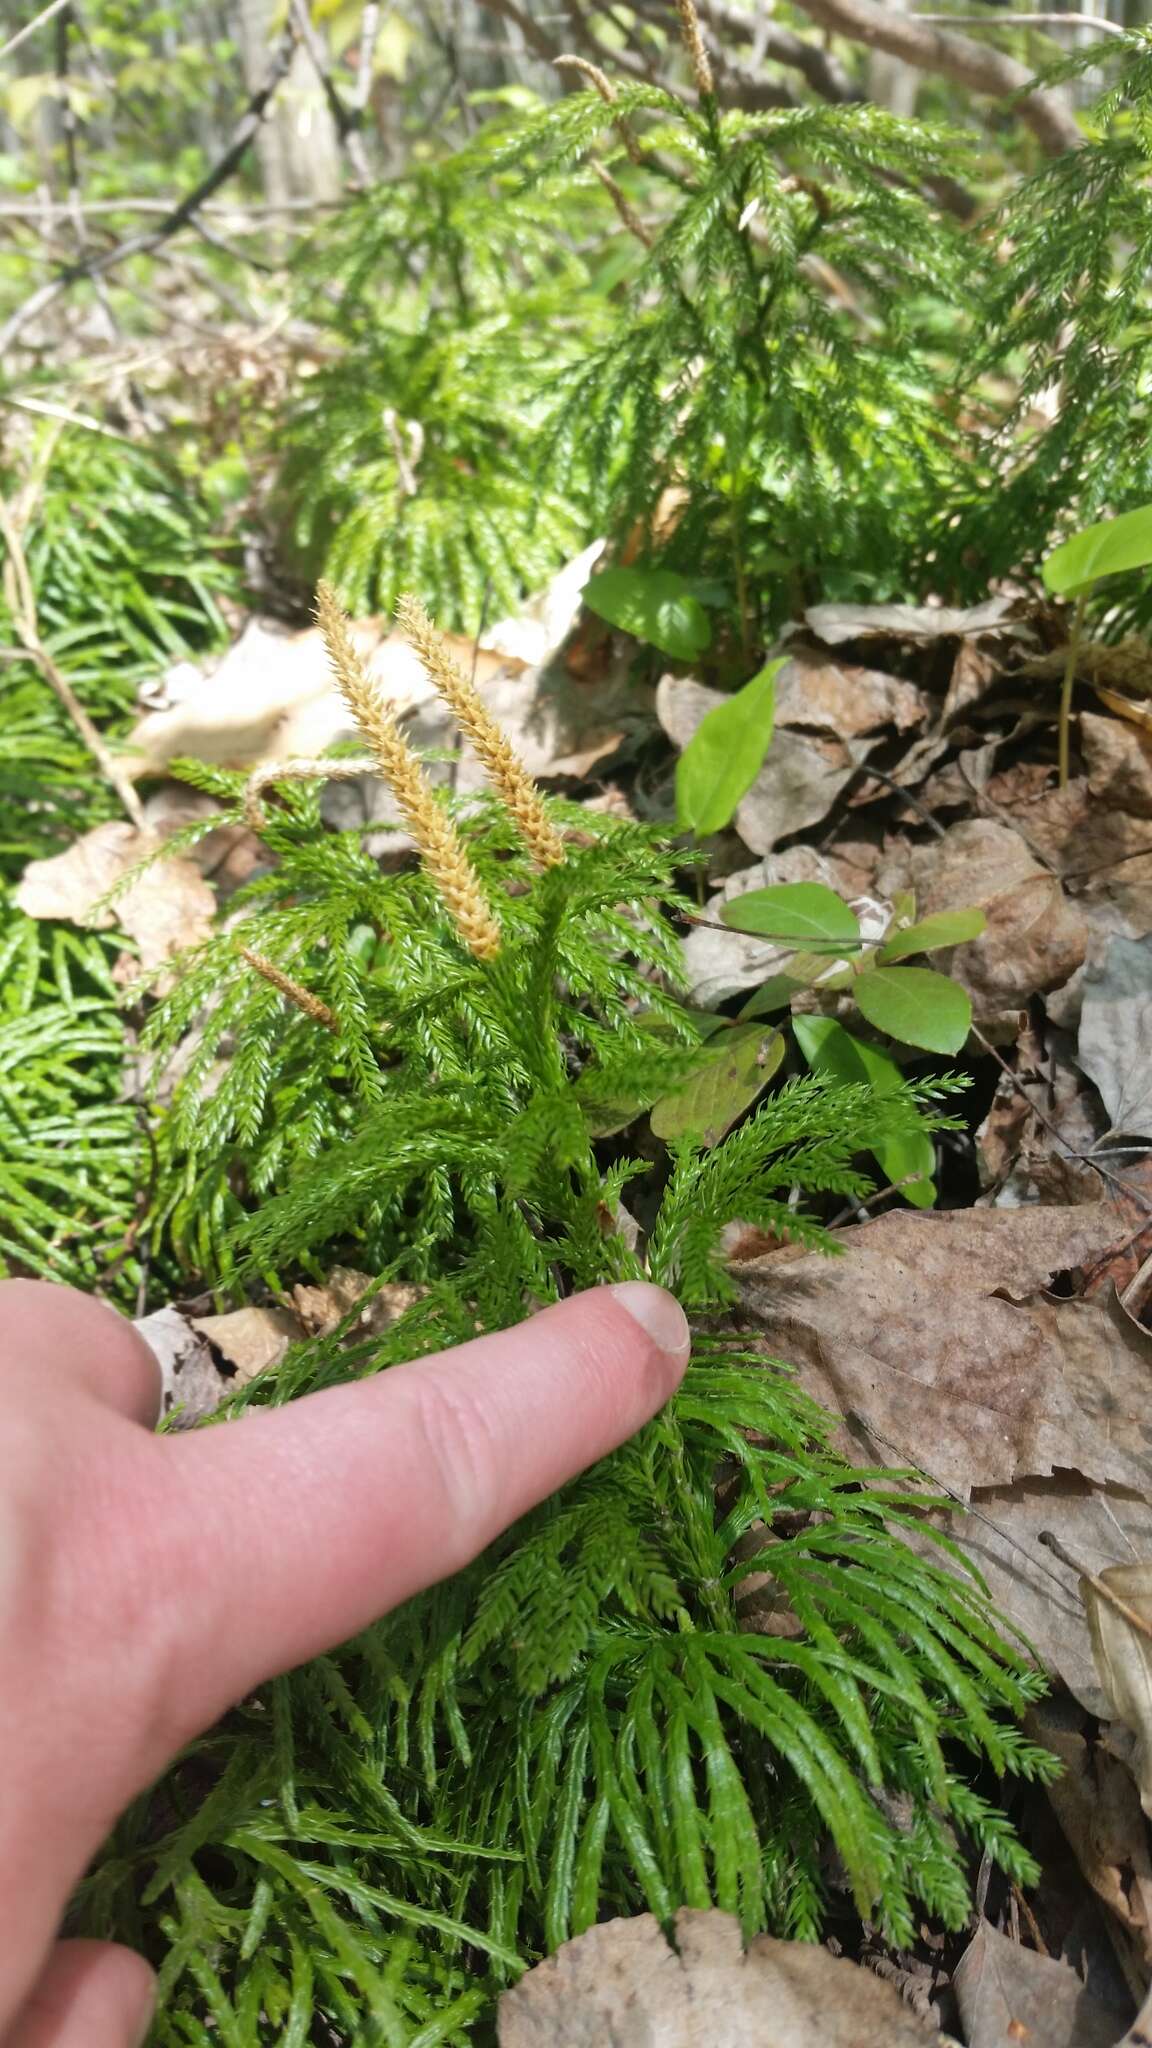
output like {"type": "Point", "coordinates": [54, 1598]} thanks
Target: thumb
{"type": "Point", "coordinates": [329, 1511]}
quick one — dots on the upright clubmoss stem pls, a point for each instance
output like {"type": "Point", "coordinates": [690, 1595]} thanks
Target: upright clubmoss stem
{"type": "Point", "coordinates": [692, 36]}
{"type": "Point", "coordinates": [523, 799]}
{"type": "Point", "coordinates": [440, 845]}
{"type": "Point", "coordinates": [294, 991]}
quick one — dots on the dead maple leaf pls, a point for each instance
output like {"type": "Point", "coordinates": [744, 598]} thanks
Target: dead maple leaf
{"type": "Point", "coordinates": [167, 907]}
{"type": "Point", "coordinates": [622, 1983]}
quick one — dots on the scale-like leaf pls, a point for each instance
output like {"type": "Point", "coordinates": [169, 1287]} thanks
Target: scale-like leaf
{"type": "Point", "coordinates": [829, 1049]}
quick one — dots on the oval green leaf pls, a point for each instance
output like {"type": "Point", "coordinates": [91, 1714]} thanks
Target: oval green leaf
{"type": "Point", "coordinates": [710, 1101]}
{"type": "Point", "coordinates": [725, 755]}
{"type": "Point", "coordinates": [947, 928]}
{"type": "Point", "coordinates": [656, 605]}
{"type": "Point", "coordinates": [905, 1162]}
{"type": "Point", "coordinates": [1105, 549]}
{"type": "Point", "coordinates": [805, 911]}
{"type": "Point", "coordinates": [915, 1005]}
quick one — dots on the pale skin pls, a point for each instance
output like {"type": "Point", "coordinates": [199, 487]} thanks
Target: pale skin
{"type": "Point", "coordinates": [147, 1583]}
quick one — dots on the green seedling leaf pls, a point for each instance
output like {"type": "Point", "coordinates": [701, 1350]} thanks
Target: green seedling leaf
{"type": "Point", "coordinates": [829, 1049]}
{"type": "Point", "coordinates": [947, 928]}
{"type": "Point", "coordinates": [806, 911]}
{"type": "Point", "coordinates": [656, 605]}
{"type": "Point", "coordinates": [915, 1005]}
{"type": "Point", "coordinates": [725, 755]}
{"type": "Point", "coordinates": [1105, 549]}
{"type": "Point", "coordinates": [709, 1103]}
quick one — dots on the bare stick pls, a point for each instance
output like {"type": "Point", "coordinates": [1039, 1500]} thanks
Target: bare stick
{"type": "Point", "coordinates": [371, 22]}
{"type": "Point", "coordinates": [22, 602]}
{"type": "Point", "coordinates": [143, 243]}
{"type": "Point", "coordinates": [30, 27]}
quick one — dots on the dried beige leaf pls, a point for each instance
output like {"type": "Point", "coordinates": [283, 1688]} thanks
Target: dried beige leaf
{"type": "Point", "coordinates": [191, 1381]}
{"type": "Point", "coordinates": [622, 1983]}
{"type": "Point", "coordinates": [1123, 1650]}
{"type": "Point", "coordinates": [321, 1308]}
{"type": "Point", "coordinates": [167, 907]}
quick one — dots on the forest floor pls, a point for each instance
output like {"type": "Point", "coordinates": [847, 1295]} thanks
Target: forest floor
{"type": "Point", "coordinates": [1002, 1343]}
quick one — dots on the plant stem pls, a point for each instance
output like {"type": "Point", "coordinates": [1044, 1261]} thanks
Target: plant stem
{"type": "Point", "coordinates": [1063, 741]}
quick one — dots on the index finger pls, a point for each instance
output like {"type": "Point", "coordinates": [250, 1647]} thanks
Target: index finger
{"type": "Point", "coordinates": [329, 1511]}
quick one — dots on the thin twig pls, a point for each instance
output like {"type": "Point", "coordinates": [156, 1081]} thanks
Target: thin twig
{"type": "Point", "coordinates": [22, 603]}
{"type": "Point", "coordinates": [45, 15]}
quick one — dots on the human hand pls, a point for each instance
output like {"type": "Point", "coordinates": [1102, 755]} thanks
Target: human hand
{"type": "Point", "coordinates": [125, 1625]}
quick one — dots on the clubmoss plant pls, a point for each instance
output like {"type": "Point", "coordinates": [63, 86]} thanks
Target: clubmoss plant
{"type": "Point", "coordinates": [582, 1723]}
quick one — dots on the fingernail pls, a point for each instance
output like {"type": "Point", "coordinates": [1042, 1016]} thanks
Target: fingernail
{"type": "Point", "coordinates": [659, 1315]}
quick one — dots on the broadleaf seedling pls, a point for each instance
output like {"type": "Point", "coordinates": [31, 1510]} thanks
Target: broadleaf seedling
{"type": "Point", "coordinates": [725, 755]}
{"type": "Point", "coordinates": [657, 606]}
{"type": "Point", "coordinates": [1109, 547]}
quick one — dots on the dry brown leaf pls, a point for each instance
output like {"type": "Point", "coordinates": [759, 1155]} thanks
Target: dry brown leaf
{"type": "Point", "coordinates": [1115, 1042]}
{"type": "Point", "coordinates": [1009, 1995]}
{"type": "Point", "coordinates": [1118, 760]}
{"type": "Point", "coordinates": [1035, 937]}
{"type": "Point", "coordinates": [168, 907]}
{"type": "Point", "coordinates": [621, 1983]}
{"type": "Point", "coordinates": [249, 1340]}
{"type": "Point", "coordinates": [320, 1309]}
{"type": "Point", "coordinates": [922, 1332]}
{"type": "Point", "coordinates": [840, 698]}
